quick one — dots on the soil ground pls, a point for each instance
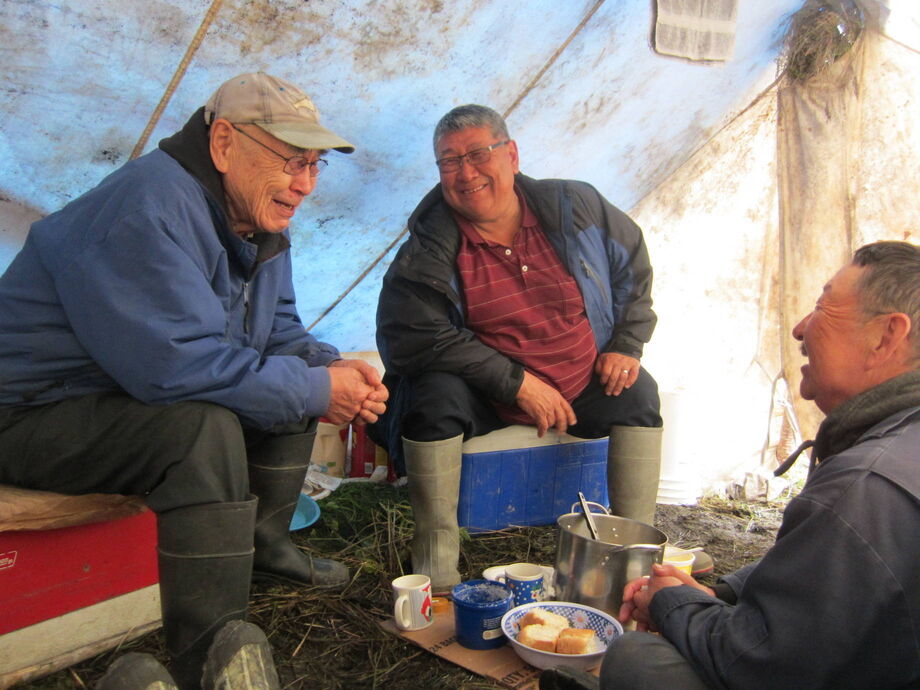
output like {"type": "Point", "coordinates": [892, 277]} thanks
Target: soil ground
{"type": "Point", "coordinates": [333, 640]}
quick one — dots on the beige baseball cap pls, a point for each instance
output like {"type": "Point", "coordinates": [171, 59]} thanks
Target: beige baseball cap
{"type": "Point", "coordinates": [275, 105]}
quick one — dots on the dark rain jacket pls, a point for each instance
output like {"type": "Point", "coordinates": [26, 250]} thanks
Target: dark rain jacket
{"type": "Point", "coordinates": [420, 315]}
{"type": "Point", "coordinates": [835, 603]}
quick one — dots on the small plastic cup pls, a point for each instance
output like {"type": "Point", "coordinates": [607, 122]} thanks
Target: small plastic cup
{"type": "Point", "coordinates": [679, 558]}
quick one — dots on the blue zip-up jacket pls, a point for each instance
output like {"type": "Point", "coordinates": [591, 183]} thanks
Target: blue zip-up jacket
{"type": "Point", "coordinates": [140, 285]}
{"type": "Point", "coordinates": [420, 322]}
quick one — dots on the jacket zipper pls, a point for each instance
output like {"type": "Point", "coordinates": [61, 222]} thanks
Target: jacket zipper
{"type": "Point", "coordinates": [246, 307]}
{"type": "Point", "coordinates": [594, 277]}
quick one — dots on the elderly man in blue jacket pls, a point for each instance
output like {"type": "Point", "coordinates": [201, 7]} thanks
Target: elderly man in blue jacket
{"type": "Point", "coordinates": [150, 344]}
{"type": "Point", "coordinates": [835, 602]}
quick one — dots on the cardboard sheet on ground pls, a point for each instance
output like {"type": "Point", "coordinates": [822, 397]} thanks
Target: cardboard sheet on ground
{"type": "Point", "coordinates": [501, 665]}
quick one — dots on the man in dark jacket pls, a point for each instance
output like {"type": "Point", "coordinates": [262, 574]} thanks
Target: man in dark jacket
{"type": "Point", "coordinates": [513, 301]}
{"type": "Point", "coordinates": [150, 344]}
{"type": "Point", "coordinates": [835, 602]}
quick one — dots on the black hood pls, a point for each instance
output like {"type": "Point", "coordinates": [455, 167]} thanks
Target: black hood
{"type": "Point", "coordinates": [190, 146]}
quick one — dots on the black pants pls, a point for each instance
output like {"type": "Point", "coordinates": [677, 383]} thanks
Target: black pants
{"type": "Point", "coordinates": [177, 455]}
{"type": "Point", "coordinates": [442, 406]}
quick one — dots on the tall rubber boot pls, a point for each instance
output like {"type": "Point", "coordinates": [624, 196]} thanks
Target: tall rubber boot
{"type": "Point", "coordinates": [205, 560]}
{"type": "Point", "coordinates": [277, 467]}
{"type": "Point", "coordinates": [633, 469]}
{"type": "Point", "coordinates": [433, 468]}
{"type": "Point", "coordinates": [240, 658]}
{"type": "Point", "coordinates": [135, 671]}
{"type": "Point", "coordinates": [568, 678]}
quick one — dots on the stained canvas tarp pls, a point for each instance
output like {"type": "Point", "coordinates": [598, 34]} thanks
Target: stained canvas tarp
{"type": "Point", "coordinates": [841, 135]}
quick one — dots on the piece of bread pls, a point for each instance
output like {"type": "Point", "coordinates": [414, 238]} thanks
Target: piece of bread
{"type": "Point", "coordinates": [542, 637]}
{"type": "Point", "coordinates": [575, 641]}
{"type": "Point", "coordinates": [538, 616]}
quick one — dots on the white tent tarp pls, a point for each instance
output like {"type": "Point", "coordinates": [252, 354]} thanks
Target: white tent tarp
{"type": "Point", "coordinates": [690, 148]}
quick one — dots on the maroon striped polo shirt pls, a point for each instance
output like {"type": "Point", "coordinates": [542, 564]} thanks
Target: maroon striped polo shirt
{"type": "Point", "coordinates": [521, 301]}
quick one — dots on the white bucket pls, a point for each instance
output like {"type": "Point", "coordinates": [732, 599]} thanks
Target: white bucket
{"type": "Point", "coordinates": [676, 498]}
{"type": "Point", "coordinates": [678, 484]}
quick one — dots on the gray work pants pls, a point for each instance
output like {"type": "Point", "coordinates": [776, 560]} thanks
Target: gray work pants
{"type": "Point", "coordinates": [643, 661]}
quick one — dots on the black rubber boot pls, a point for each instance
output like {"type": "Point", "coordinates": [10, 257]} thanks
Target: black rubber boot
{"type": "Point", "coordinates": [240, 658]}
{"type": "Point", "coordinates": [135, 671]}
{"type": "Point", "coordinates": [205, 561]}
{"type": "Point", "coordinates": [568, 678]}
{"type": "Point", "coordinates": [277, 467]}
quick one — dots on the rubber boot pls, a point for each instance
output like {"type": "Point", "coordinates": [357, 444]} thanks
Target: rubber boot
{"type": "Point", "coordinates": [433, 468]}
{"type": "Point", "coordinates": [205, 560]}
{"type": "Point", "coordinates": [277, 467]}
{"type": "Point", "coordinates": [633, 468]}
{"type": "Point", "coordinates": [240, 658]}
{"type": "Point", "coordinates": [568, 678]}
{"type": "Point", "coordinates": [135, 671]}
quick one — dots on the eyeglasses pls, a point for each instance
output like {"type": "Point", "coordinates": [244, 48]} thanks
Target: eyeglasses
{"type": "Point", "coordinates": [295, 164]}
{"type": "Point", "coordinates": [474, 157]}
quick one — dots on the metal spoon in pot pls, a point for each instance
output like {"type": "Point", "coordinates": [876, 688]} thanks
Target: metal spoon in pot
{"type": "Point", "coordinates": [589, 516]}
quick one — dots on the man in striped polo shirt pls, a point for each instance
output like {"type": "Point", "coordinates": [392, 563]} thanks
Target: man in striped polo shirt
{"type": "Point", "coordinates": [514, 301]}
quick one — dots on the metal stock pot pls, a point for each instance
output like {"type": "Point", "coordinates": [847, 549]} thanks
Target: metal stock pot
{"type": "Point", "coordinates": [594, 571]}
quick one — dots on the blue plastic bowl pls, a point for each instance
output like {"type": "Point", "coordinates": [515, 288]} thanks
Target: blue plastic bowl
{"type": "Point", "coordinates": [305, 514]}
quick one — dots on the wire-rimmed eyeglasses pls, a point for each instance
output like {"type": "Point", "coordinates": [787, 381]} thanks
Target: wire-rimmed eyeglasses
{"type": "Point", "coordinates": [293, 165]}
{"type": "Point", "coordinates": [474, 157]}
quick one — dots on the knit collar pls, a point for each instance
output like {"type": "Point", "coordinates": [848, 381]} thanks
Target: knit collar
{"type": "Point", "coordinates": [850, 420]}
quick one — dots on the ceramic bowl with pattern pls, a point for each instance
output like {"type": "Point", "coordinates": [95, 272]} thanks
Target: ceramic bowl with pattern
{"type": "Point", "coordinates": [606, 629]}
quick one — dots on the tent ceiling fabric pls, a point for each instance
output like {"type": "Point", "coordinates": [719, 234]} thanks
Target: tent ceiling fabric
{"type": "Point", "coordinates": [85, 77]}
{"type": "Point", "coordinates": [689, 148]}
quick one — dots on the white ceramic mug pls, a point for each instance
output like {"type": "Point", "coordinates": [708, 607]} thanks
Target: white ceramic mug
{"type": "Point", "coordinates": [412, 608]}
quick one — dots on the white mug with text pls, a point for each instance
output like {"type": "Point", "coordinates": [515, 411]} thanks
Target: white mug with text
{"type": "Point", "coordinates": [412, 607]}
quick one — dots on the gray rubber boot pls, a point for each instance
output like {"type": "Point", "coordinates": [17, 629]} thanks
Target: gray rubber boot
{"type": "Point", "coordinates": [633, 469]}
{"type": "Point", "coordinates": [135, 671]}
{"type": "Point", "coordinates": [240, 658]}
{"type": "Point", "coordinates": [433, 468]}
{"type": "Point", "coordinates": [277, 467]}
{"type": "Point", "coordinates": [205, 561]}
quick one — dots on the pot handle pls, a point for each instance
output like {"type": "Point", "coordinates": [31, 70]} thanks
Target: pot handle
{"type": "Point", "coordinates": [642, 547]}
{"type": "Point", "coordinates": [604, 510]}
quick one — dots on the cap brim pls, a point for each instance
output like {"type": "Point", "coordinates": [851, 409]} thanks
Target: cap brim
{"type": "Point", "coordinates": [304, 135]}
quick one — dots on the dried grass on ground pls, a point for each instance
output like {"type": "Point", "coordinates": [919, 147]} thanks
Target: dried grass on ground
{"type": "Point", "coordinates": [333, 640]}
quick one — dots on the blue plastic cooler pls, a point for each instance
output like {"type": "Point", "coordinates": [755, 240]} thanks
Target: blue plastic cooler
{"type": "Point", "coordinates": [512, 477]}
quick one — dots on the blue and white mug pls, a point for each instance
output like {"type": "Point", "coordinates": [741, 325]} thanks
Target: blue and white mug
{"type": "Point", "coordinates": [526, 582]}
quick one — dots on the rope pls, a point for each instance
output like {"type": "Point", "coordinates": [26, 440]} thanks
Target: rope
{"type": "Point", "coordinates": [555, 56]}
{"type": "Point", "coordinates": [177, 77]}
{"type": "Point", "coordinates": [900, 43]}
{"type": "Point", "coordinates": [358, 279]}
